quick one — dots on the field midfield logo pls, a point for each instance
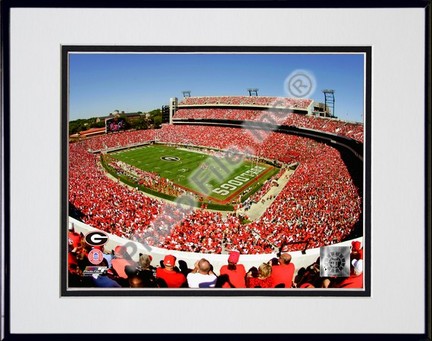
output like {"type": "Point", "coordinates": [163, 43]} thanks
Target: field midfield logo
{"type": "Point", "coordinates": [170, 158]}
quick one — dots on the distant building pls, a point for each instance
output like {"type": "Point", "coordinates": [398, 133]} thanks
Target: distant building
{"type": "Point", "coordinates": [319, 109]}
{"type": "Point", "coordinates": [87, 133]}
{"type": "Point", "coordinates": [117, 113]}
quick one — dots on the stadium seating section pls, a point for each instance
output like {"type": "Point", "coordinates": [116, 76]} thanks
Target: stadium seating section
{"type": "Point", "coordinates": [334, 126]}
{"type": "Point", "coordinates": [319, 205]}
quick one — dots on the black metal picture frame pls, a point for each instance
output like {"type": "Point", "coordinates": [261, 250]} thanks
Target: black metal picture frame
{"type": "Point", "coordinates": [7, 226]}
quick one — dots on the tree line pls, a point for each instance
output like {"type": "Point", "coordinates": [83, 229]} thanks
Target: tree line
{"type": "Point", "coordinates": [149, 120]}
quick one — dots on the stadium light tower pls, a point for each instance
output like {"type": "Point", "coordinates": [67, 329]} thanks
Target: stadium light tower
{"type": "Point", "coordinates": [186, 93]}
{"type": "Point", "coordinates": [329, 101]}
{"type": "Point", "coordinates": [253, 91]}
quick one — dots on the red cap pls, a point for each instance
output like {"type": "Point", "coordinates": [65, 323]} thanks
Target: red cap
{"type": "Point", "coordinates": [169, 260]}
{"type": "Point", "coordinates": [119, 250]}
{"type": "Point", "coordinates": [234, 257]}
{"type": "Point", "coordinates": [356, 245]}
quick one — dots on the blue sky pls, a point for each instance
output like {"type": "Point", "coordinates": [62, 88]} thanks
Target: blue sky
{"type": "Point", "coordinates": [101, 83]}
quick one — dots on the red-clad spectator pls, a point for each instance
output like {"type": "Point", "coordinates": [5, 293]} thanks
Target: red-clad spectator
{"type": "Point", "coordinates": [310, 277]}
{"type": "Point", "coordinates": [283, 273]}
{"type": "Point", "coordinates": [263, 280]}
{"type": "Point", "coordinates": [120, 261]}
{"type": "Point", "coordinates": [356, 250]}
{"type": "Point", "coordinates": [74, 238]}
{"type": "Point", "coordinates": [355, 280]}
{"type": "Point", "coordinates": [170, 277]}
{"type": "Point", "coordinates": [234, 273]}
{"type": "Point", "coordinates": [72, 261]}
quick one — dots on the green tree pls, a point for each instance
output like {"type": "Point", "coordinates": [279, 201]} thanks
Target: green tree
{"type": "Point", "coordinates": [157, 121]}
{"type": "Point", "coordinates": [79, 125]}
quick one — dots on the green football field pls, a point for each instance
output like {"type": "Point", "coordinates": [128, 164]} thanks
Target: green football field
{"type": "Point", "coordinates": [219, 177]}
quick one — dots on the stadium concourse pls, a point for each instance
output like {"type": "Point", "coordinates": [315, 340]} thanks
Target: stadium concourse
{"type": "Point", "coordinates": [319, 206]}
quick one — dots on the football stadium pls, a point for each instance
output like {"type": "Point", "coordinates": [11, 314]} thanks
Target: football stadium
{"type": "Point", "coordinates": [244, 191]}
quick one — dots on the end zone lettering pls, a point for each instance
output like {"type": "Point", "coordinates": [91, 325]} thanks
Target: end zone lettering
{"type": "Point", "coordinates": [238, 181]}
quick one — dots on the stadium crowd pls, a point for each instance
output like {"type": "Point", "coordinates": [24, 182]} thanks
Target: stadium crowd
{"type": "Point", "coordinates": [117, 269]}
{"type": "Point", "coordinates": [267, 101]}
{"type": "Point", "coordinates": [330, 125]}
{"type": "Point", "coordinates": [319, 206]}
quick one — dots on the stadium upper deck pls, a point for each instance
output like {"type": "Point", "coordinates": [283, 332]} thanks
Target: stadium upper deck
{"type": "Point", "coordinates": [258, 101]}
{"type": "Point", "coordinates": [338, 127]}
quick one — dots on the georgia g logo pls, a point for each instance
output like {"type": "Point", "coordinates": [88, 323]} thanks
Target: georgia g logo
{"type": "Point", "coordinates": [170, 158]}
{"type": "Point", "coordinates": [96, 238]}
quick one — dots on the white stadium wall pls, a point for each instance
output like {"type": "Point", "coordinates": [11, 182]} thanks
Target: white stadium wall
{"type": "Point", "coordinates": [217, 260]}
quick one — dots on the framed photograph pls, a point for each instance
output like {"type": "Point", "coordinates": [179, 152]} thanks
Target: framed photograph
{"type": "Point", "coordinates": [232, 182]}
{"type": "Point", "coordinates": [250, 158]}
